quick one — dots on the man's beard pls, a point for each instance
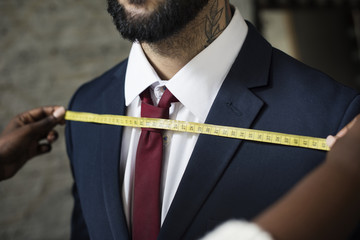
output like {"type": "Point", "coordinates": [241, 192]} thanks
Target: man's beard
{"type": "Point", "coordinates": [169, 18]}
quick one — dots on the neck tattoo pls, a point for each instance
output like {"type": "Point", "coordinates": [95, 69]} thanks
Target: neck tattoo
{"type": "Point", "coordinates": [213, 22]}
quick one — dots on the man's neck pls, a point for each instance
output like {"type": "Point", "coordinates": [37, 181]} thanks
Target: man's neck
{"type": "Point", "coordinates": [170, 55]}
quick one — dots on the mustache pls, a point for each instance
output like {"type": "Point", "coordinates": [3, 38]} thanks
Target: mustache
{"type": "Point", "coordinates": [137, 2]}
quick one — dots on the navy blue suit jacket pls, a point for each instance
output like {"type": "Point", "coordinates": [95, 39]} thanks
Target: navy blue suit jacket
{"type": "Point", "coordinates": [225, 178]}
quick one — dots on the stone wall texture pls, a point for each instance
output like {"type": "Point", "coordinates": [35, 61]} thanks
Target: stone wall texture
{"type": "Point", "coordinates": [47, 50]}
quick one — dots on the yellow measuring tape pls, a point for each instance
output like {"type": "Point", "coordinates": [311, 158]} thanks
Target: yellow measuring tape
{"type": "Point", "coordinates": [217, 130]}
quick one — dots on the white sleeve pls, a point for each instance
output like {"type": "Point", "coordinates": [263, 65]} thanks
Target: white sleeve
{"type": "Point", "coordinates": [238, 230]}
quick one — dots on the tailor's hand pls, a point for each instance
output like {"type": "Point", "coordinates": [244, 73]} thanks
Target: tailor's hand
{"type": "Point", "coordinates": [28, 135]}
{"type": "Point", "coordinates": [345, 147]}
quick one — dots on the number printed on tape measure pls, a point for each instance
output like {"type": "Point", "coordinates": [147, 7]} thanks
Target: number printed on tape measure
{"type": "Point", "coordinates": [202, 128]}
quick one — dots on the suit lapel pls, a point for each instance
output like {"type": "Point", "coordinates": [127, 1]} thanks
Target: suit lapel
{"type": "Point", "coordinates": [235, 106]}
{"type": "Point", "coordinates": [110, 144]}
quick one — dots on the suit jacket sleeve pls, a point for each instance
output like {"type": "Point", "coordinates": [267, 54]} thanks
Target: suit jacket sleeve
{"type": "Point", "coordinates": [79, 229]}
{"type": "Point", "coordinates": [351, 112]}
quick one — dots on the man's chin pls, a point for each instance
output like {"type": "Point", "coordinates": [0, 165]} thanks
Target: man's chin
{"type": "Point", "coordinates": [151, 26]}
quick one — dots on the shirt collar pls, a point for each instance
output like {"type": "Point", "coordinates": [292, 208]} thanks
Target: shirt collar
{"type": "Point", "coordinates": [198, 82]}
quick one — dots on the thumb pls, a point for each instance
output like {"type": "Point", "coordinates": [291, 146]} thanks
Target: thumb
{"type": "Point", "coordinates": [44, 125]}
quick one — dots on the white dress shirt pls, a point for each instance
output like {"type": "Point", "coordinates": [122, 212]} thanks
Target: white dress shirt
{"type": "Point", "coordinates": [195, 86]}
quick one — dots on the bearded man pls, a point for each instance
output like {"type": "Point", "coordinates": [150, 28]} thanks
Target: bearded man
{"type": "Point", "coordinates": [213, 67]}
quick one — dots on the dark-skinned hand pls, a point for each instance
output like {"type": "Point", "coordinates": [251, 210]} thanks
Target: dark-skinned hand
{"type": "Point", "coordinates": [28, 135]}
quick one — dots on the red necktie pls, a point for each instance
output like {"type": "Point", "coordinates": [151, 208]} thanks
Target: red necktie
{"type": "Point", "coordinates": [146, 207]}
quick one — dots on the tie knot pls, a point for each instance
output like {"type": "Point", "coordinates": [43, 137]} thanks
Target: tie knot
{"type": "Point", "coordinates": [166, 99]}
{"type": "Point", "coordinates": [162, 110]}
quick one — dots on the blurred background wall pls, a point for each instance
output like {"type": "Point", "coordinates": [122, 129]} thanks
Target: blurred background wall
{"type": "Point", "coordinates": [49, 48]}
{"type": "Point", "coordinates": [324, 34]}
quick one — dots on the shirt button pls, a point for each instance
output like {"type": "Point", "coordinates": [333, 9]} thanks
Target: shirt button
{"type": "Point", "coordinates": [166, 139]}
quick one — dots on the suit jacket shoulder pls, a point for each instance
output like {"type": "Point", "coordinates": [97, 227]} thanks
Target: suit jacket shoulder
{"type": "Point", "coordinates": [312, 93]}
{"type": "Point", "coordinates": [89, 93]}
